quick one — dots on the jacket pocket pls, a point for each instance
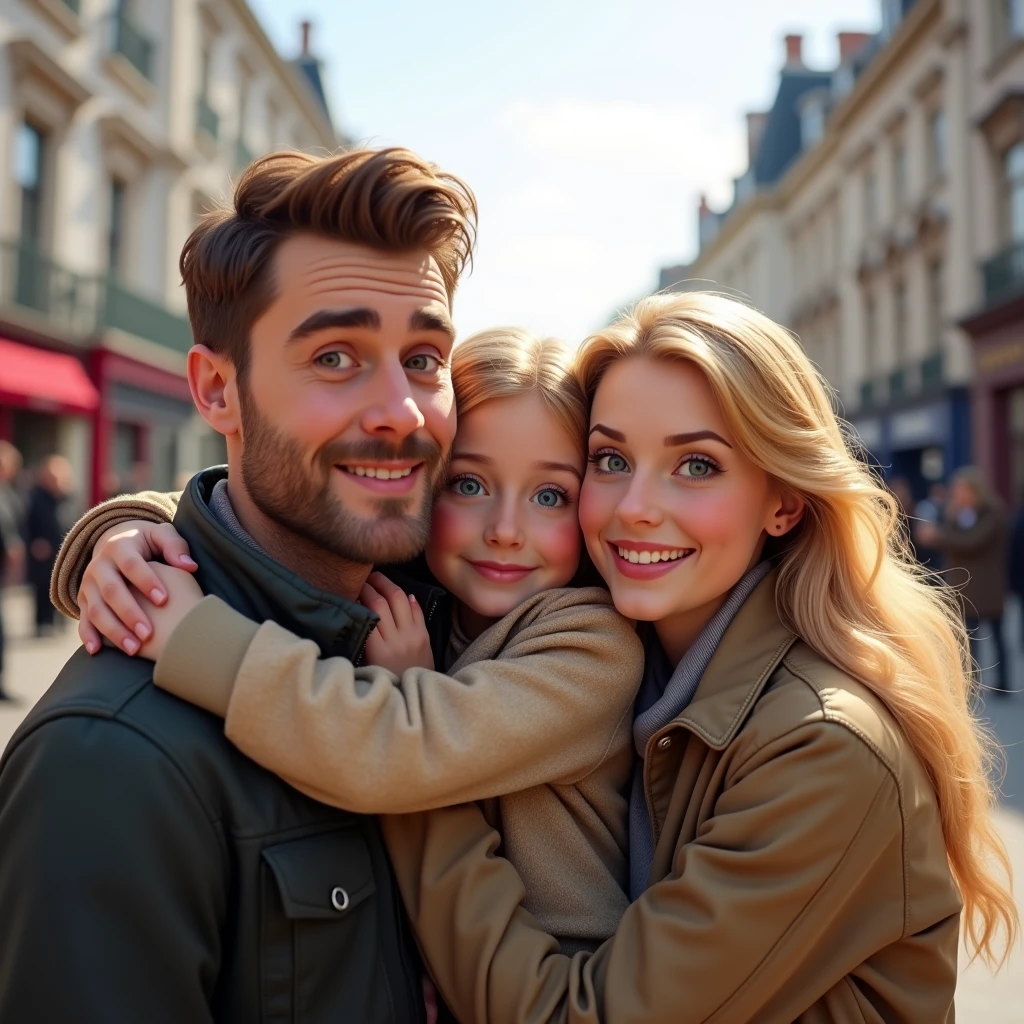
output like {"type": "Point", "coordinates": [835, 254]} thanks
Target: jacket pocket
{"type": "Point", "coordinates": [320, 956]}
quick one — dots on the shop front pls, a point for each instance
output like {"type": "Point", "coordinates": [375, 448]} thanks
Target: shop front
{"type": "Point", "coordinates": [922, 442]}
{"type": "Point", "coordinates": [998, 396]}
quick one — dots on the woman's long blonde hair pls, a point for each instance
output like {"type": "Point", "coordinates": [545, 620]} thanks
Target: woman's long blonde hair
{"type": "Point", "coordinates": [846, 582]}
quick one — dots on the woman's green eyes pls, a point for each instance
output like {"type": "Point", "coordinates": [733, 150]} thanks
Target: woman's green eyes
{"type": "Point", "coordinates": [609, 462]}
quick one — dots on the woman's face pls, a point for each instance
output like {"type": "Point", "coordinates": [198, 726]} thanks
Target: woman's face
{"type": "Point", "coordinates": [672, 512]}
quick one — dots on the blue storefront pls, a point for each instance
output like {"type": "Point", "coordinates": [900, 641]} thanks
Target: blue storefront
{"type": "Point", "coordinates": [923, 442]}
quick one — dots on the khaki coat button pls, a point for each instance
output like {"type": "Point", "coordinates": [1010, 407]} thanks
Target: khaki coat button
{"type": "Point", "coordinates": [665, 742]}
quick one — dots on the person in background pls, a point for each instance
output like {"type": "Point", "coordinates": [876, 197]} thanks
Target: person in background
{"type": "Point", "coordinates": [972, 540]}
{"type": "Point", "coordinates": [12, 548]}
{"type": "Point", "coordinates": [44, 530]}
{"type": "Point", "coordinates": [931, 510]}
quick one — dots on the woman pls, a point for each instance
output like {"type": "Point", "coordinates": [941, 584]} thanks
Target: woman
{"type": "Point", "coordinates": [973, 540]}
{"type": "Point", "coordinates": [812, 807]}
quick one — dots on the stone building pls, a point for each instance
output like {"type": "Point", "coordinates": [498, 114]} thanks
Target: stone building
{"type": "Point", "coordinates": [120, 122]}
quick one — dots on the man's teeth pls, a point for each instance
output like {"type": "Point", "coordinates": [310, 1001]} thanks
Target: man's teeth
{"type": "Point", "coordinates": [379, 474]}
{"type": "Point", "coordinates": [646, 557]}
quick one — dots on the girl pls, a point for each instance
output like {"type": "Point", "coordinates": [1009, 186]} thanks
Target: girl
{"type": "Point", "coordinates": [535, 708]}
{"type": "Point", "coordinates": [812, 806]}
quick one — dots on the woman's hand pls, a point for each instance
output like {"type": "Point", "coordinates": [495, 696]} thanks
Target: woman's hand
{"type": "Point", "coordinates": [400, 640]}
{"type": "Point", "coordinates": [125, 556]}
{"type": "Point", "coordinates": [183, 594]}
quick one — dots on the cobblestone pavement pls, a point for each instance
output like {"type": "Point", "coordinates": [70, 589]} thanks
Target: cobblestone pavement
{"type": "Point", "coordinates": [981, 997]}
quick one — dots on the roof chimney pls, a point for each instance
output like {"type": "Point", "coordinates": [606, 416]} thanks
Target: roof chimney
{"type": "Point", "coordinates": [756, 121]}
{"type": "Point", "coordinates": [306, 26]}
{"type": "Point", "coordinates": [850, 44]}
{"type": "Point", "coordinates": [794, 51]}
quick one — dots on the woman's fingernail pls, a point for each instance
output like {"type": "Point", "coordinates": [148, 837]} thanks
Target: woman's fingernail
{"type": "Point", "coordinates": [142, 631]}
{"type": "Point", "coordinates": [131, 645]}
{"type": "Point", "coordinates": [92, 647]}
{"type": "Point", "coordinates": [185, 560]}
{"type": "Point", "coordinates": [156, 596]}
{"type": "Point", "coordinates": [412, 599]}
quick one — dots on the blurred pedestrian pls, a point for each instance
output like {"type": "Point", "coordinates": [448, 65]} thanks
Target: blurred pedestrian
{"type": "Point", "coordinates": [931, 510]}
{"type": "Point", "coordinates": [972, 539]}
{"type": "Point", "coordinates": [12, 548]}
{"type": "Point", "coordinates": [44, 531]}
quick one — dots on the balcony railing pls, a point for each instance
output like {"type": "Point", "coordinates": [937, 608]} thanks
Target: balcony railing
{"type": "Point", "coordinates": [135, 47]}
{"type": "Point", "coordinates": [81, 305]}
{"type": "Point", "coordinates": [243, 155]}
{"type": "Point", "coordinates": [207, 119]}
{"type": "Point", "coordinates": [1004, 275]}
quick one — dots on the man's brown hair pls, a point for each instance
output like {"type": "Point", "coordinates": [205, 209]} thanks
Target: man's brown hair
{"type": "Point", "coordinates": [387, 199]}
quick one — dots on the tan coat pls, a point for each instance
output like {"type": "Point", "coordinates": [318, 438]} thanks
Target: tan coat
{"type": "Point", "coordinates": [800, 872]}
{"type": "Point", "coordinates": [536, 712]}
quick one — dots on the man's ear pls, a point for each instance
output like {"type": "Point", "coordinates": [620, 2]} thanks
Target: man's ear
{"type": "Point", "coordinates": [788, 511]}
{"type": "Point", "coordinates": [214, 384]}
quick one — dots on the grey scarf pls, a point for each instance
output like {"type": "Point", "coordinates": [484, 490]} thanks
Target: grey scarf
{"type": "Point", "coordinates": [678, 693]}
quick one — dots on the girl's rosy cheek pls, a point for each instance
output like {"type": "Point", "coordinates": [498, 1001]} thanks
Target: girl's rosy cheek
{"type": "Point", "coordinates": [451, 528]}
{"type": "Point", "coordinates": [562, 543]}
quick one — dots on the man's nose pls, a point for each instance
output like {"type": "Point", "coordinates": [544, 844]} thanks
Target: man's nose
{"type": "Point", "coordinates": [392, 410]}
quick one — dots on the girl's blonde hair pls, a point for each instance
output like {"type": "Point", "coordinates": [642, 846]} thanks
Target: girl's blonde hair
{"type": "Point", "coordinates": [508, 361]}
{"type": "Point", "coordinates": [846, 582]}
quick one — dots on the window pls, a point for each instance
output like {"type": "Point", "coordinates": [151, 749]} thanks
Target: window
{"type": "Point", "coordinates": [1009, 23]}
{"type": "Point", "coordinates": [812, 123]}
{"type": "Point", "coordinates": [1013, 191]}
{"type": "Point", "coordinates": [899, 174]}
{"type": "Point", "coordinates": [1015, 17]}
{"type": "Point", "coordinates": [870, 336]}
{"type": "Point", "coordinates": [938, 134]}
{"type": "Point", "coordinates": [870, 201]}
{"type": "Point", "coordinates": [29, 156]}
{"type": "Point", "coordinates": [899, 310]}
{"type": "Point", "coordinates": [116, 227]}
{"type": "Point", "coordinates": [936, 299]}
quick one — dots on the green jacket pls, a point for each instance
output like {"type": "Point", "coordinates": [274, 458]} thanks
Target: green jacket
{"type": "Point", "coordinates": [151, 872]}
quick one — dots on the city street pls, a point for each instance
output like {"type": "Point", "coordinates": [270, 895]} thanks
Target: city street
{"type": "Point", "coordinates": [981, 998]}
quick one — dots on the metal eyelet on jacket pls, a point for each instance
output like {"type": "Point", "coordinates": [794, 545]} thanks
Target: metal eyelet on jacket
{"type": "Point", "coordinates": [339, 899]}
{"type": "Point", "coordinates": [665, 742]}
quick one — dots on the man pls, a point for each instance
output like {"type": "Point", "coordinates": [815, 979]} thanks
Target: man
{"type": "Point", "coordinates": [12, 548]}
{"type": "Point", "coordinates": [148, 870]}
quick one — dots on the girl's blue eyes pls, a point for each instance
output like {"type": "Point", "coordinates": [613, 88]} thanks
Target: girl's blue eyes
{"type": "Point", "coordinates": [546, 497]}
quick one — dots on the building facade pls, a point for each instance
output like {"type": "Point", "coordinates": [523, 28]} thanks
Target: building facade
{"type": "Point", "coordinates": [867, 243]}
{"type": "Point", "coordinates": [121, 122]}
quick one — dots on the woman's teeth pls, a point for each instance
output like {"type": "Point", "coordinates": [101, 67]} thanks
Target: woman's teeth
{"type": "Point", "coordinates": [646, 557]}
{"type": "Point", "coordinates": [379, 474]}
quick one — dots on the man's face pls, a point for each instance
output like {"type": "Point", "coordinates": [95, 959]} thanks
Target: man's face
{"type": "Point", "coordinates": [347, 409]}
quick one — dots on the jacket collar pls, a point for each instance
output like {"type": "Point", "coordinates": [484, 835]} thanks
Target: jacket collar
{"type": "Point", "coordinates": [750, 651]}
{"type": "Point", "coordinates": [260, 588]}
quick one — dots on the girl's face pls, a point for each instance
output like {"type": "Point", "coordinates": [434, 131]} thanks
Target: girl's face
{"type": "Point", "coordinates": [505, 527]}
{"type": "Point", "coordinates": [672, 512]}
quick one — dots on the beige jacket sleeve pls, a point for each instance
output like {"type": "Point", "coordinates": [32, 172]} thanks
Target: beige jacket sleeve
{"type": "Point", "coordinates": [75, 552]}
{"type": "Point", "coordinates": [547, 690]}
{"type": "Point", "coordinates": [765, 906]}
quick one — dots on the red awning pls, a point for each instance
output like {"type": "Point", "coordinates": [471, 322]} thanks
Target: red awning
{"type": "Point", "coordinates": [39, 378]}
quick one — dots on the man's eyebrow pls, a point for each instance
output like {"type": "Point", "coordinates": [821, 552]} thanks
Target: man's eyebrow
{"type": "Point", "coordinates": [564, 466]}
{"type": "Point", "coordinates": [615, 435]}
{"type": "Point", "coordinates": [325, 319]}
{"type": "Point", "coordinates": [429, 320]}
{"type": "Point", "coordinates": [674, 440]}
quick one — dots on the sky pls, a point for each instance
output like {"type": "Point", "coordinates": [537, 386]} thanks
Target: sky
{"type": "Point", "coordinates": [587, 130]}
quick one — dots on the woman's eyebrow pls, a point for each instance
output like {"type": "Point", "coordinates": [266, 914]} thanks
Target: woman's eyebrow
{"type": "Point", "coordinates": [615, 435]}
{"type": "Point", "coordinates": [674, 440]}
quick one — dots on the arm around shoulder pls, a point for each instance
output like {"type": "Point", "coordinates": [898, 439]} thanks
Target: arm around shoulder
{"type": "Point", "coordinates": [76, 550]}
{"type": "Point", "coordinates": [112, 880]}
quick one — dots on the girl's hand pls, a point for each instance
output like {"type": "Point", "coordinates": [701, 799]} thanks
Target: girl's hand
{"type": "Point", "coordinates": [183, 594]}
{"type": "Point", "coordinates": [125, 555]}
{"type": "Point", "coordinates": [400, 640]}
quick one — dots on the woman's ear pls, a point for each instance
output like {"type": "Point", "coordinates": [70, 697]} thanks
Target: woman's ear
{"type": "Point", "coordinates": [788, 511]}
{"type": "Point", "coordinates": [214, 384]}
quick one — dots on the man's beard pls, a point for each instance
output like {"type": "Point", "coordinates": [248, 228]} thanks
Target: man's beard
{"type": "Point", "coordinates": [276, 477]}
